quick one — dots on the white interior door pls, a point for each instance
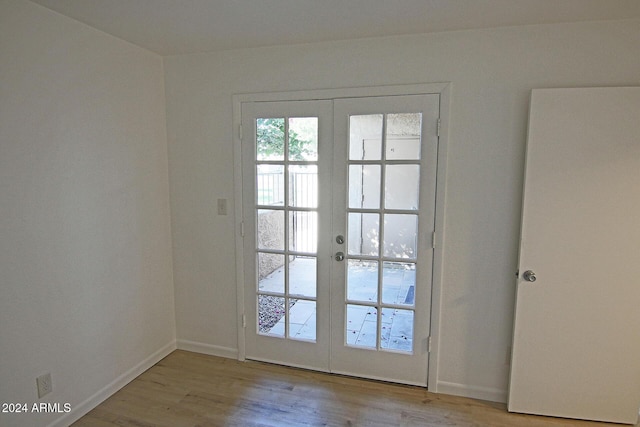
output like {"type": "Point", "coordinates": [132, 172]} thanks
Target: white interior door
{"type": "Point", "coordinates": [576, 346]}
{"type": "Point", "coordinates": [384, 208]}
{"type": "Point", "coordinates": [339, 214]}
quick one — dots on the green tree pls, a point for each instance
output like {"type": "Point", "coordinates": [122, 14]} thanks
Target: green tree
{"type": "Point", "coordinates": [270, 141]}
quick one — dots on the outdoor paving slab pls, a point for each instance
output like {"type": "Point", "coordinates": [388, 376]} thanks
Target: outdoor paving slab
{"type": "Point", "coordinates": [396, 327]}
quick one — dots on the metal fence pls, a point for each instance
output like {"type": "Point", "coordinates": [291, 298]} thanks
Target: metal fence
{"type": "Point", "coordinates": [270, 188]}
{"type": "Point", "coordinates": [303, 193]}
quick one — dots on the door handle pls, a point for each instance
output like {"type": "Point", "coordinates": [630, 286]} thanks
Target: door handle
{"type": "Point", "coordinates": [529, 276]}
{"type": "Point", "coordinates": [340, 239]}
{"type": "Point", "coordinates": [339, 256]}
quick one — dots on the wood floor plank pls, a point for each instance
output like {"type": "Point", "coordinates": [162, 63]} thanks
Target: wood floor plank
{"type": "Point", "coordinates": [193, 390]}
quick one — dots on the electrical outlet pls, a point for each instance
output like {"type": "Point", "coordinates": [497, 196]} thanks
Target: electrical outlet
{"type": "Point", "coordinates": [222, 206]}
{"type": "Point", "coordinates": [45, 386]}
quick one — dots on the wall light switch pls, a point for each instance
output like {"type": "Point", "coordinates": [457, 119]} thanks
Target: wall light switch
{"type": "Point", "coordinates": [222, 206]}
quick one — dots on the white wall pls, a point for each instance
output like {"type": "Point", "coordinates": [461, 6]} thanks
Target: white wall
{"type": "Point", "coordinates": [492, 73]}
{"type": "Point", "coordinates": [85, 244]}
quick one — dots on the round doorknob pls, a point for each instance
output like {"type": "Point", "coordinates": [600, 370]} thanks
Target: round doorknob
{"type": "Point", "coordinates": [339, 256]}
{"type": "Point", "coordinates": [529, 276]}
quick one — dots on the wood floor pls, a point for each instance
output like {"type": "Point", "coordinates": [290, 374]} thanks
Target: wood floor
{"type": "Point", "coordinates": [195, 390]}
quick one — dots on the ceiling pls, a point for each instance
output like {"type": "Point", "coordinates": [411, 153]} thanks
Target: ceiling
{"type": "Point", "coordinates": [173, 27]}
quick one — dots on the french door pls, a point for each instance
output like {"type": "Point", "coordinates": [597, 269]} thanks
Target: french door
{"type": "Point", "coordinates": [286, 160]}
{"type": "Point", "coordinates": [338, 219]}
{"type": "Point", "coordinates": [385, 152]}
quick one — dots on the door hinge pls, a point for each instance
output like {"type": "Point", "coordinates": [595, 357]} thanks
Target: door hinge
{"type": "Point", "coordinates": [438, 128]}
{"type": "Point", "coordinates": [433, 240]}
{"type": "Point", "coordinates": [429, 344]}
{"type": "Point", "coordinates": [244, 321]}
{"type": "Point", "coordinates": [242, 229]}
{"type": "Point", "coordinates": [240, 132]}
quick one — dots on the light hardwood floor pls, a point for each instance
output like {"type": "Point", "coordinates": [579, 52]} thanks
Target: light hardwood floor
{"type": "Point", "coordinates": [194, 390]}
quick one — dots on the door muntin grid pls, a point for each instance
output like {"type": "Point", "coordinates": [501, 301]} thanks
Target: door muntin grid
{"type": "Point", "coordinates": [286, 218]}
{"type": "Point", "coordinates": [382, 227]}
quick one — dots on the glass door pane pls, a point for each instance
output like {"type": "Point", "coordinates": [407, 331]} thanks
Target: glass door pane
{"type": "Point", "coordinates": [384, 181]}
{"type": "Point", "coordinates": [286, 233]}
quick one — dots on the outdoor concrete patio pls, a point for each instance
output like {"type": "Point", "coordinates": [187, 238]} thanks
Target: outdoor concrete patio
{"type": "Point", "coordinates": [398, 285]}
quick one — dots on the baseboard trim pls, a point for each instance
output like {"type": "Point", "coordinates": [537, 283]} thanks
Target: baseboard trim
{"type": "Point", "coordinates": [78, 411]}
{"type": "Point", "coordinates": [474, 392]}
{"type": "Point", "coordinates": [211, 350]}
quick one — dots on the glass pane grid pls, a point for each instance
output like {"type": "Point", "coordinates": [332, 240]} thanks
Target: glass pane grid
{"type": "Point", "coordinates": [383, 198]}
{"type": "Point", "coordinates": [286, 226]}
{"type": "Point", "coordinates": [380, 328]}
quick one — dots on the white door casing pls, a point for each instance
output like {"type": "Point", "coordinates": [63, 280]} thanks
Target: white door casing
{"type": "Point", "coordinates": [318, 355]}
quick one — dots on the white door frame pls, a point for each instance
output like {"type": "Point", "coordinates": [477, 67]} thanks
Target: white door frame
{"type": "Point", "coordinates": [444, 90]}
